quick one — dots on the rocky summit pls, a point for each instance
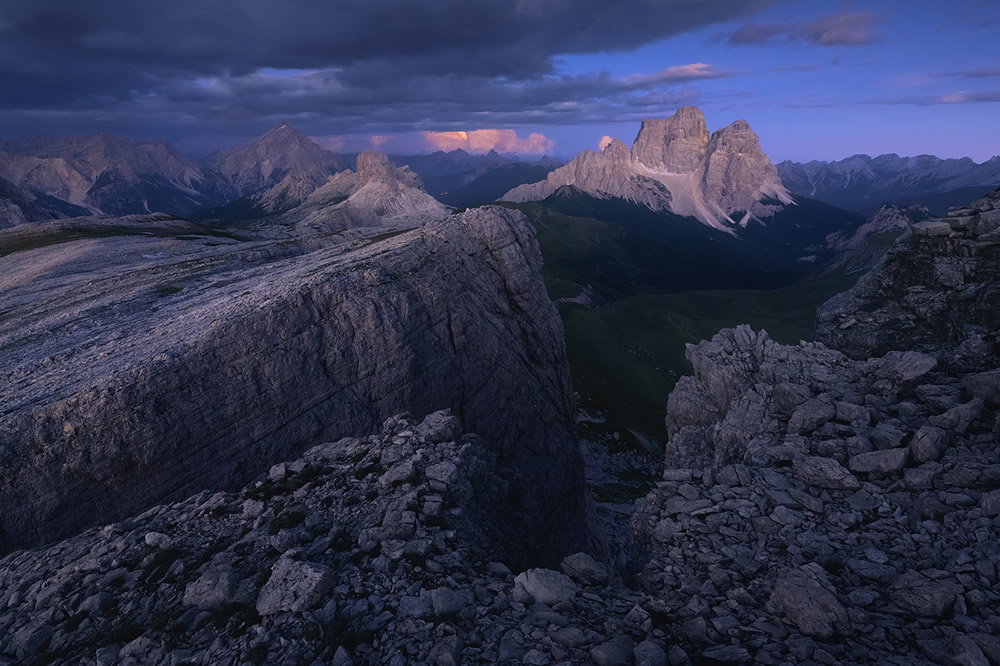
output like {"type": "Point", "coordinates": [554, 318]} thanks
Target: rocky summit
{"type": "Point", "coordinates": [723, 179]}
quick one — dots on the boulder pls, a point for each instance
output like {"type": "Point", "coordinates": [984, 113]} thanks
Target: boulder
{"type": "Point", "coordinates": [546, 586]}
{"type": "Point", "coordinates": [888, 461]}
{"type": "Point", "coordinates": [805, 598]}
{"type": "Point", "coordinates": [294, 586]}
{"type": "Point", "coordinates": [921, 595]}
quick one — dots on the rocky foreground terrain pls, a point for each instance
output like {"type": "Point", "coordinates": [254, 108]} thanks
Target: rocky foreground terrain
{"type": "Point", "coordinates": [816, 507]}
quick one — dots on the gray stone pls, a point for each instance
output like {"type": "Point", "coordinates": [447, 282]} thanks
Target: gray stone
{"type": "Point", "coordinates": [810, 415]}
{"type": "Point", "coordinates": [727, 654]}
{"type": "Point", "coordinates": [650, 653]}
{"type": "Point", "coordinates": [619, 651]}
{"type": "Point", "coordinates": [448, 602]}
{"type": "Point", "coordinates": [546, 586]}
{"type": "Point", "coordinates": [919, 594]}
{"type": "Point", "coordinates": [212, 589]}
{"type": "Point", "coordinates": [805, 598]}
{"type": "Point", "coordinates": [30, 640]}
{"type": "Point", "coordinates": [583, 568]}
{"type": "Point", "coordinates": [401, 472]}
{"type": "Point", "coordinates": [932, 228]}
{"type": "Point", "coordinates": [418, 607]}
{"type": "Point", "coordinates": [824, 473]}
{"type": "Point", "coordinates": [157, 540]}
{"type": "Point", "coordinates": [888, 461]}
{"type": "Point", "coordinates": [294, 586]}
{"type": "Point", "coordinates": [966, 652]}
{"type": "Point", "coordinates": [990, 503]}
{"type": "Point", "coordinates": [928, 444]}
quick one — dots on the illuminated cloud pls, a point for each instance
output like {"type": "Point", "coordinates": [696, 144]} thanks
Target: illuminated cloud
{"type": "Point", "coordinates": [485, 140]}
{"type": "Point", "coordinates": [378, 139]}
{"type": "Point", "coordinates": [334, 143]}
{"type": "Point", "coordinates": [605, 140]}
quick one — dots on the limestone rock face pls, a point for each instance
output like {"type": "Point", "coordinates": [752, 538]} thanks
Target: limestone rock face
{"type": "Point", "coordinates": [724, 180]}
{"type": "Point", "coordinates": [936, 290]}
{"type": "Point", "coordinates": [677, 144]}
{"type": "Point", "coordinates": [738, 175]}
{"type": "Point", "coordinates": [152, 368]}
{"type": "Point", "coordinates": [604, 174]}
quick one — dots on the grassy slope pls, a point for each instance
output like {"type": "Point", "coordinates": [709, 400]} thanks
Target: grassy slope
{"type": "Point", "coordinates": [626, 355]}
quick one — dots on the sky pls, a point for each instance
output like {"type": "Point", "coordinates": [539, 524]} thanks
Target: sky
{"type": "Point", "coordinates": [815, 79]}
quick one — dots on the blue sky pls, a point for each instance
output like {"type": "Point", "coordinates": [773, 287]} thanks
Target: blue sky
{"type": "Point", "coordinates": [911, 88]}
{"type": "Point", "coordinates": [816, 80]}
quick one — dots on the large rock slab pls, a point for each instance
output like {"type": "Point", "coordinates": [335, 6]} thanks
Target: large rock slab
{"type": "Point", "coordinates": [139, 369]}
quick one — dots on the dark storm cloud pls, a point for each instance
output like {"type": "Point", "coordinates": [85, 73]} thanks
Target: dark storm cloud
{"type": "Point", "coordinates": [187, 61]}
{"type": "Point", "coordinates": [848, 29]}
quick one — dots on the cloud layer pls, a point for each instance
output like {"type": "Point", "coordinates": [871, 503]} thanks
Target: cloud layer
{"type": "Point", "coordinates": [333, 66]}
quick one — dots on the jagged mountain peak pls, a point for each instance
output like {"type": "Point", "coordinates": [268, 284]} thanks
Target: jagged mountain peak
{"type": "Point", "coordinates": [377, 167]}
{"type": "Point", "coordinates": [675, 164]}
{"type": "Point", "coordinates": [676, 144]}
{"type": "Point", "coordinates": [273, 157]}
{"type": "Point", "coordinates": [738, 126]}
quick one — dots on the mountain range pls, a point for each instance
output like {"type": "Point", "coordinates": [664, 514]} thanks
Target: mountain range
{"type": "Point", "coordinates": [723, 179]}
{"type": "Point", "coordinates": [108, 174]}
{"type": "Point", "coordinates": [863, 184]}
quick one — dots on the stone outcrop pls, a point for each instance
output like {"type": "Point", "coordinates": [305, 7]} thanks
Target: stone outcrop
{"type": "Point", "coordinates": [818, 507]}
{"type": "Point", "coordinates": [140, 369]}
{"type": "Point", "coordinates": [723, 179]}
{"type": "Point", "coordinates": [936, 290]}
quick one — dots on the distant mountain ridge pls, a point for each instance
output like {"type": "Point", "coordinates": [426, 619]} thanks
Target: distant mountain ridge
{"type": "Point", "coordinates": [103, 174]}
{"type": "Point", "coordinates": [723, 179]}
{"type": "Point", "coordinates": [863, 183]}
{"type": "Point", "coordinates": [108, 174]}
